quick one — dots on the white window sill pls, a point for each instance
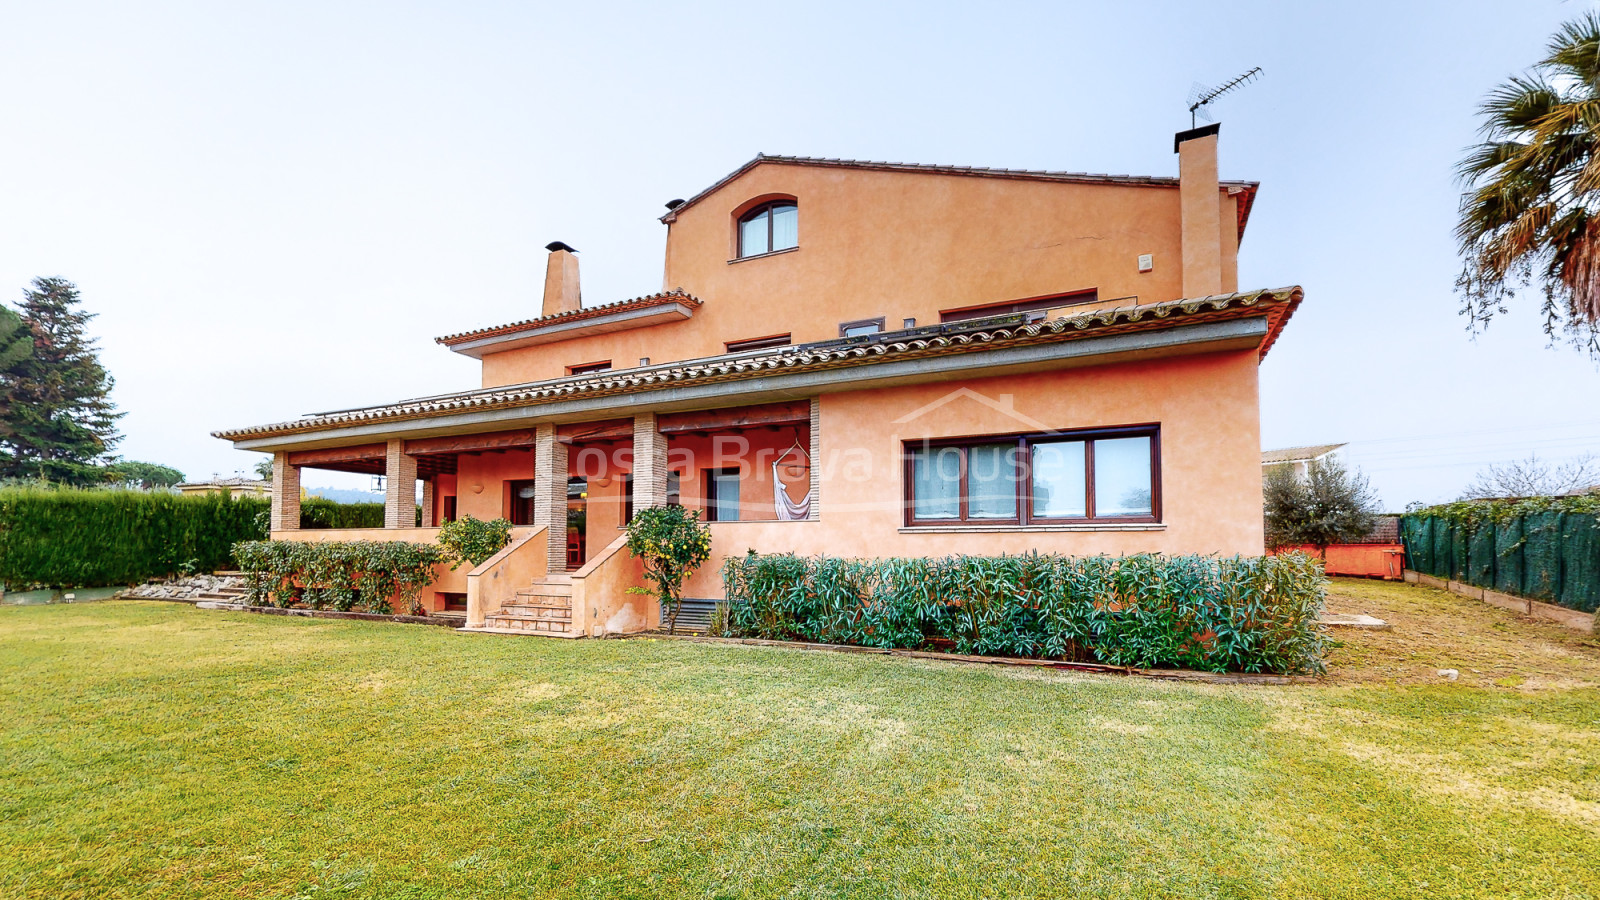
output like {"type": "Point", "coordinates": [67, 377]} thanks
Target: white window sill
{"type": "Point", "coordinates": [764, 255]}
{"type": "Point", "coordinates": [993, 529]}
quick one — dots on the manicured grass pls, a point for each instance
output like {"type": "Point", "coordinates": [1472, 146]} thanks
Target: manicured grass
{"type": "Point", "coordinates": [154, 750]}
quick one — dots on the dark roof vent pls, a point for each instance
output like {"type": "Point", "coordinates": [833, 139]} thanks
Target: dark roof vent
{"type": "Point", "coordinates": [674, 204]}
{"type": "Point", "coordinates": [553, 246]}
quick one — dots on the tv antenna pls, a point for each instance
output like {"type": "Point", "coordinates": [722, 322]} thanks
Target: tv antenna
{"type": "Point", "coordinates": [1200, 96]}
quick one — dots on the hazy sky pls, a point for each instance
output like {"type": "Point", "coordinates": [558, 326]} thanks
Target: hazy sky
{"type": "Point", "coordinates": [275, 207]}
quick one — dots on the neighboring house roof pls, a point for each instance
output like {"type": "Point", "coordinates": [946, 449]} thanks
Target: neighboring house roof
{"type": "Point", "coordinates": [976, 335]}
{"type": "Point", "coordinates": [560, 320]}
{"type": "Point", "coordinates": [1297, 454]}
{"type": "Point", "coordinates": [224, 482]}
{"type": "Point", "coordinates": [1247, 188]}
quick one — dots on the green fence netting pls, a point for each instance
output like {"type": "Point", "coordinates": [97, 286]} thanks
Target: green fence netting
{"type": "Point", "coordinates": [1549, 556]}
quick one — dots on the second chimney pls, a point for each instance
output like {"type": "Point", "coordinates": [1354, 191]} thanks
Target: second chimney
{"type": "Point", "coordinates": [1201, 209]}
{"type": "Point", "coordinates": [561, 281]}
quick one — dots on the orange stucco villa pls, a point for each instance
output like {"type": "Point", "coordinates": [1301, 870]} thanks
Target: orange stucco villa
{"type": "Point", "coordinates": [853, 359]}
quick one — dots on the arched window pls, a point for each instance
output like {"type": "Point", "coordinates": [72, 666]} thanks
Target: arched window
{"type": "Point", "coordinates": [769, 227]}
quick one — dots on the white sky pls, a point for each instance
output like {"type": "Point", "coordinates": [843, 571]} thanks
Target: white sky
{"type": "Point", "coordinates": [275, 207]}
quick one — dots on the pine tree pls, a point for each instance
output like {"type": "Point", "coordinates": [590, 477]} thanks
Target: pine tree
{"type": "Point", "coordinates": [57, 422]}
{"type": "Point", "coordinates": [16, 341]}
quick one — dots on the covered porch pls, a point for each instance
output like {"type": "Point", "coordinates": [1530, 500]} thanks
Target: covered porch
{"type": "Point", "coordinates": [569, 489]}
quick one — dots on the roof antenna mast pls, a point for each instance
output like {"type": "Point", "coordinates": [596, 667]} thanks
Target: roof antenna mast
{"type": "Point", "coordinates": [1200, 96]}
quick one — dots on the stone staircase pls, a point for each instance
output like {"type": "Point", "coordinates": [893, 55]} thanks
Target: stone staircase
{"type": "Point", "coordinates": [544, 607]}
{"type": "Point", "coordinates": [236, 592]}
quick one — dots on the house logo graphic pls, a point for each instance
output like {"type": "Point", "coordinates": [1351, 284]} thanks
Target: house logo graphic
{"type": "Point", "coordinates": [1004, 404]}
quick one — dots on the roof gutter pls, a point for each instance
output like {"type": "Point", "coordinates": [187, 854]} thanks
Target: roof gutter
{"type": "Point", "coordinates": [1205, 337]}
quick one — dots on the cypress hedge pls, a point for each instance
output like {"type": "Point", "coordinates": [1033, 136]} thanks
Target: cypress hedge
{"type": "Point", "coordinates": [1239, 614]}
{"type": "Point", "coordinates": [96, 538]}
{"type": "Point", "coordinates": [320, 512]}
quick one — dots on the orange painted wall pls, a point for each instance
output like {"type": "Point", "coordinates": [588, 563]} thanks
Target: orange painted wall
{"type": "Point", "coordinates": [752, 452]}
{"type": "Point", "coordinates": [1210, 451]}
{"type": "Point", "coordinates": [482, 482]}
{"type": "Point", "coordinates": [892, 244]}
{"type": "Point", "coordinates": [1360, 560]}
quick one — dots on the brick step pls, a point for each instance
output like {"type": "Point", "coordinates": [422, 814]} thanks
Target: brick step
{"type": "Point", "coordinates": [500, 622]}
{"type": "Point", "coordinates": [542, 598]}
{"type": "Point", "coordinates": [521, 611]}
{"type": "Point", "coordinates": [562, 588]}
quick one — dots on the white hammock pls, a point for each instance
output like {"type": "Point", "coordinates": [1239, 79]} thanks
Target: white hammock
{"type": "Point", "coordinates": [788, 510]}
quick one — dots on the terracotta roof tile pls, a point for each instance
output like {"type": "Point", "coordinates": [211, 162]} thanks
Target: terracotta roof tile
{"type": "Point", "coordinates": [1297, 454]}
{"type": "Point", "coordinates": [588, 312]}
{"type": "Point", "coordinates": [1249, 188]}
{"type": "Point", "coordinates": [1277, 305]}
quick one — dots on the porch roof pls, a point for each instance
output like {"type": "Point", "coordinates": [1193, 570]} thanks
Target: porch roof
{"type": "Point", "coordinates": [993, 336]}
{"type": "Point", "coordinates": [622, 314]}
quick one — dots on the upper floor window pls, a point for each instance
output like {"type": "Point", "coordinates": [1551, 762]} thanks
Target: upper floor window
{"type": "Point", "coordinates": [761, 343]}
{"type": "Point", "coordinates": [861, 327]}
{"type": "Point", "coordinates": [769, 227]}
{"type": "Point", "coordinates": [588, 368]}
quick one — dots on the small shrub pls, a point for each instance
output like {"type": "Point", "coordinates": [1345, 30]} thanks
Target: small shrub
{"type": "Point", "coordinates": [473, 541]}
{"type": "Point", "coordinates": [672, 542]}
{"type": "Point", "coordinates": [1248, 614]}
{"type": "Point", "coordinates": [341, 575]}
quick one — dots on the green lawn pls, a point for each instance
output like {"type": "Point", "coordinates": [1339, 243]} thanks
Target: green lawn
{"type": "Point", "coordinates": [154, 750]}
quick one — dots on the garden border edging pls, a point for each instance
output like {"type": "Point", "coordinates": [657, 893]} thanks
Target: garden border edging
{"type": "Point", "coordinates": [1186, 675]}
{"type": "Point", "coordinates": [442, 621]}
{"type": "Point", "coordinates": [1527, 606]}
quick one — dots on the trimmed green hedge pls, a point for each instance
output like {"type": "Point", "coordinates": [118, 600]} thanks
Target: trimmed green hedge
{"type": "Point", "coordinates": [341, 575]}
{"type": "Point", "coordinates": [1240, 614]}
{"type": "Point", "coordinates": [71, 538]}
{"type": "Point", "coordinates": [320, 512]}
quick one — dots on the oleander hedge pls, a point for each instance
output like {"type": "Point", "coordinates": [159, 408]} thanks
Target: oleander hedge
{"type": "Point", "coordinates": [343, 575]}
{"type": "Point", "coordinates": [98, 538]}
{"type": "Point", "coordinates": [1238, 614]}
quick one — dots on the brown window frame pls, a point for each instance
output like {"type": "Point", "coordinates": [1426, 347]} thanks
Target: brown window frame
{"type": "Point", "coordinates": [763, 209]}
{"type": "Point", "coordinates": [590, 368]}
{"type": "Point", "coordinates": [1024, 443]}
{"type": "Point", "coordinates": [511, 512]}
{"type": "Point", "coordinates": [1033, 308]}
{"type": "Point", "coordinates": [709, 479]}
{"type": "Point", "coordinates": [844, 327]}
{"type": "Point", "coordinates": [674, 494]}
{"type": "Point", "coordinates": [760, 343]}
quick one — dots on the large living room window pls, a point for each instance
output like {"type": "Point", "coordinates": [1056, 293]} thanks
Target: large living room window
{"type": "Point", "coordinates": [1102, 476]}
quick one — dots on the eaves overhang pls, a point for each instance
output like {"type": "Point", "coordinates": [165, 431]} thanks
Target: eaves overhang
{"type": "Point", "coordinates": [1247, 188]}
{"type": "Point", "coordinates": [1230, 321]}
{"type": "Point", "coordinates": [656, 309]}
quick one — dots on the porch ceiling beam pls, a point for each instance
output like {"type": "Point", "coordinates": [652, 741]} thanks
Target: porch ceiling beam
{"type": "Point", "coordinates": [1181, 340]}
{"type": "Point", "coordinates": [461, 443]}
{"type": "Point", "coordinates": [321, 458]}
{"type": "Point", "coordinates": [607, 430]}
{"type": "Point", "coordinates": [795, 413]}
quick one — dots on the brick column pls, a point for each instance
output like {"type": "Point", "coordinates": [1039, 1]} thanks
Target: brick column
{"type": "Point", "coordinates": [649, 463]}
{"type": "Point", "coordinates": [400, 487]}
{"type": "Point", "coordinates": [427, 502]}
{"type": "Point", "coordinates": [816, 459]}
{"type": "Point", "coordinates": [550, 501]}
{"type": "Point", "coordinates": [285, 494]}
